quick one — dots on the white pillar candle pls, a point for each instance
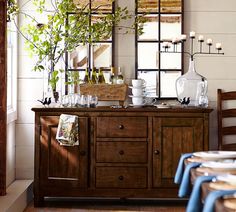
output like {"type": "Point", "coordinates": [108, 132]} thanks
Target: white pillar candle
{"type": "Point", "coordinates": [201, 38]}
{"type": "Point", "coordinates": [209, 41]}
{"type": "Point", "coordinates": [175, 40]}
{"type": "Point", "coordinates": [192, 34]}
{"type": "Point", "coordinates": [218, 46]}
{"type": "Point", "coordinates": [166, 44]}
{"type": "Point", "coordinates": [183, 37]}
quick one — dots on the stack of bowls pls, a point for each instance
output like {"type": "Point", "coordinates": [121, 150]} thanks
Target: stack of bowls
{"type": "Point", "coordinates": [137, 96]}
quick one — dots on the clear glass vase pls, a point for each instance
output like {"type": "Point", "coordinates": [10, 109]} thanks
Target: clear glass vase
{"type": "Point", "coordinates": [192, 86]}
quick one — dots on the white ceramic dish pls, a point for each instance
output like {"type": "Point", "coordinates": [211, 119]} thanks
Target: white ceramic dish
{"type": "Point", "coordinates": [136, 96]}
{"type": "Point", "coordinates": [163, 106]}
{"type": "Point", "coordinates": [227, 164]}
{"type": "Point", "coordinates": [136, 106]}
{"type": "Point", "coordinates": [215, 154]}
{"type": "Point", "coordinates": [229, 178]}
{"type": "Point", "coordinates": [137, 87]}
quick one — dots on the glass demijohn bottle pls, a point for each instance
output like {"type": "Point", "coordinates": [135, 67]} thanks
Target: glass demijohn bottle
{"type": "Point", "coordinates": [94, 76]}
{"type": "Point", "coordinates": [120, 78]}
{"type": "Point", "coordinates": [192, 86]}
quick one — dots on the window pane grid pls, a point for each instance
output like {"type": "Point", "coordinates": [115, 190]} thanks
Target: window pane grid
{"type": "Point", "coordinates": [167, 13]}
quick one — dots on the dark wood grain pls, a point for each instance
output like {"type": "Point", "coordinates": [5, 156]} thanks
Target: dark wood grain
{"type": "Point", "coordinates": [3, 96]}
{"type": "Point", "coordinates": [138, 161]}
{"type": "Point", "coordinates": [223, 114]}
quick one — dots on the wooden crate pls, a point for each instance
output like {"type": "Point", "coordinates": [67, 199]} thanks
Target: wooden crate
{"type": "Point", "coordinates": [106, 92]}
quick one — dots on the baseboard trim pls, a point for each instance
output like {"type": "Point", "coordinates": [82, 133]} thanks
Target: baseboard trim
{"type": "Point", "coordinates": [19, 194]}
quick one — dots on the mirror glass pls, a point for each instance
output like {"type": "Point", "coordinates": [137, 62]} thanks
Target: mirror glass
{"type": "Point", "coordinates": [164, 21]}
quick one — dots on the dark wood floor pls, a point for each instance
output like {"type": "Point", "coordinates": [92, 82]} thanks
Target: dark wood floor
{"type": "Point", "coordinates": [109, 205]}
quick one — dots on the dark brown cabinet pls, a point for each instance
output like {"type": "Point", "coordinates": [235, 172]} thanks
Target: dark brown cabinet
{"type": "Point", "coordinates": [123, 153]}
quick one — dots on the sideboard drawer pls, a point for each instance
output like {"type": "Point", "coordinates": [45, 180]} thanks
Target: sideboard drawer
{"type": "Point", "coordinates": [121, 152]}
{"type": "Point", "coordinates": [134, 127]}
{"type": "Point", "coordinates": [121, 177]}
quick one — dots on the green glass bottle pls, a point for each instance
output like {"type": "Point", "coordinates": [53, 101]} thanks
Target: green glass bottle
{"type": "Point", "coordinates": [101, 78]}
{"type": "Point", "coordinates": [86, 76]}
{"type": "Point", "coordinates": [94, 76]}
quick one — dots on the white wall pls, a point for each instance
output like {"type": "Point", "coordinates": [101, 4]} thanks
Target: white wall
{"type": "Point", "coordinates": [11, 150]}
{"type": "Point", "coordinates": [212, 18]}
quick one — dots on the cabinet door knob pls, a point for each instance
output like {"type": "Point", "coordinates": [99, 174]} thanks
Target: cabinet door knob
{"type": "Point", "coordinates": [156, 152]}
{"type": "Point", "coordinates": [121, 126]}
{"type": "Point", "coordinates": [121, 152]}
{"type": "Point", "coordinates": [121, 177]}
{"type": "Point", "coordinates": [82, 153]}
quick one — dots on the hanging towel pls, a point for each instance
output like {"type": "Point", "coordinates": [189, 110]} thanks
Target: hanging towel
{"type": "Point", "coordinates": [180, 168]}
{"type": "Point", "coordinates": [68, 130]}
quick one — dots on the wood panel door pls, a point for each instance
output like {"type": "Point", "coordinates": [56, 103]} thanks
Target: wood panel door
{"type": "Point", "coordinates": [62, 166]}
{"type": "Point", "coordinates": [171, 138]}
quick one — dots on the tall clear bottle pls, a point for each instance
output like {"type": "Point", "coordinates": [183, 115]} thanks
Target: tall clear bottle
{"type": "Point", "coordinates": [113, 77]}
{"type": "Point", "coordinates": [120, 78]}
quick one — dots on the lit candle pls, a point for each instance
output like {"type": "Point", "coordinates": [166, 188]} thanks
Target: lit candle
{"type": "Point", "coordinates": [201, 38]}
{"type": "Point", "coordinates": [218, 46]}
{"type": "Point", "coordinates": [183, 37]}
{"type": "Point", "coordinates": [209, 41]}
{"type": "Point", "coordinates": [192, 34]}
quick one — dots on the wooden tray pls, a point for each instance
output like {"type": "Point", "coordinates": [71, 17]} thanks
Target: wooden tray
{"type": "Point", "coordinates": [106, 92]}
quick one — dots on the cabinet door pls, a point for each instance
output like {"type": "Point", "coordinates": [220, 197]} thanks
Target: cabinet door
{"type": "Point", "coordinates": [171, 137]}
{"type": "Point", "coordinates": [62, 166]}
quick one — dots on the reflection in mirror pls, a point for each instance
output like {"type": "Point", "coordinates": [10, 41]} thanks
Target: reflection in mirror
{"type": "Point", "coordinates": [78, 58]}
{"type": "Point", "coordinates": [150, 28]}
{"type": "Point", "coordinates": [148, 6]}
{"type": "Point", "coordinates": [168, 83]}
{"type": "Point", "coordinates": [101, 55]}
{"type": "Point", "coordinates": [164, 21]}
{"type": "Point", "coordinates": [150, 78]}
{"type": "Point", "coordinates": [148, 56]}
{"type": "Point", "coordinates": [171, 6]}
{"type": "Point", "coordinates": [171, 61]}
{"type": "Point", "coordinates": [100, 6]}
{"type": "Point", "coordinates": [170, 26]}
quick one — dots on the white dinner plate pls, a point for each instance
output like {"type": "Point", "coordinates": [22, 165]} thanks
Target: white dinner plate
{"type": "Point", "coordinates": [137, 96]}
{"type": "Point", "coordinates": [227, 164]}
{"type": "Point", "coordinates": [229, 178]}
{"type": "Point", "coordinates": [137, 87]}
{"type": "Point", "coordinates": [215, 154]}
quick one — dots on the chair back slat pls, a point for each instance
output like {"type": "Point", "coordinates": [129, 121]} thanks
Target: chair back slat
{"type": "Point", "coordinates": [226, 116]}
{"type": "Point", "coordinates": [229, 113]}
{"type": "Point", "coordinates": [229, 130]}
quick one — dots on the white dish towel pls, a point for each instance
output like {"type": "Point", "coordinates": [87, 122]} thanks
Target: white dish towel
{"type": "Point", "coordinates": [68, 130]}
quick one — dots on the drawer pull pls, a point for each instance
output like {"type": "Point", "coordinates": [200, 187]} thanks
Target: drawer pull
{"type": "Point", "coordinates": [156, 152]}
{"type": "Point", "coordinates": [121, 177]}
{"type": "Point", "coordinates": [121, 126]}
{"type": "Point", "coordinates": [121, 152]}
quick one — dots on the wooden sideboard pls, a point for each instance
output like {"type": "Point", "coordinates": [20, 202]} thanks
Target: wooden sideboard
{"type": "Point", "coordinates": [123, 153]}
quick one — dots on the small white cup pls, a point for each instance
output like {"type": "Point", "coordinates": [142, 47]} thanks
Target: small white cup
{"type": "Point", "coordinates": [137, 91]}
{"type": "Point", "coordinates": [138, 100]}
{"type": "Point", "coordinates": [138, 83]}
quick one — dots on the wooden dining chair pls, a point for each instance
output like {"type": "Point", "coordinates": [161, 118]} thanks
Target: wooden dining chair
{"type": "Point", "coordinates": [226, 111]}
